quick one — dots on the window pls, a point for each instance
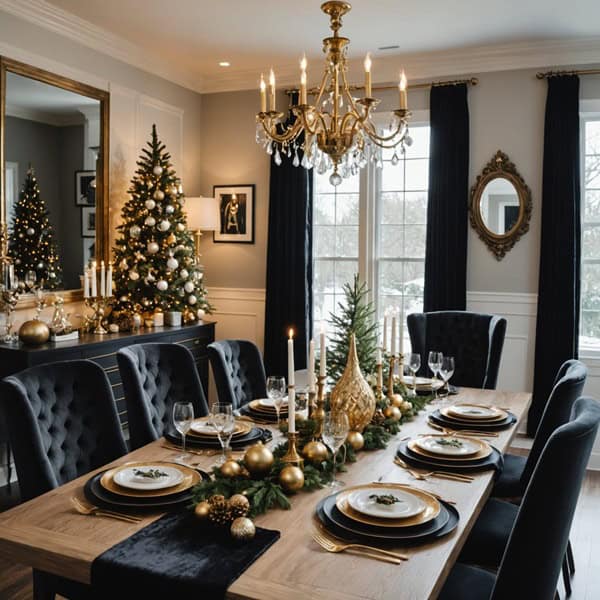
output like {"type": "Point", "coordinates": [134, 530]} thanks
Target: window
{"type": "Point", "coordinates": [375, 224]}
{"type": "Point", "coordinates": [590, 248]}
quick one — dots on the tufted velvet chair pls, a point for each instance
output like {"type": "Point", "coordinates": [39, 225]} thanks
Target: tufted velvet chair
{"type": "Point", "coordinates": [154, 377]}
{"type": "Point", "coordinates": [62, 423]}
{"type": "Point", "coordinates": [239, 371]}
{"type": "Point", "coordinates": [474, 340]}
{"type": "Point", "coordinates": [534, 538]}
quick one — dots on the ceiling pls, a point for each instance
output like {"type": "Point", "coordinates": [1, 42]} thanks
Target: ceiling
{"type": "Point", "coordinates": [192, 36]}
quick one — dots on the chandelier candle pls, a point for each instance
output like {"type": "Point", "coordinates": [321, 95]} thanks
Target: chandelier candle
{"type": "Point", "coordinates": [291, 385]}
{"type": "Point", "coordinates": [303, 100]}
{"type": "Point", "coordinates": [263, 94]}
{"type": "Point", "coordinates": [402, 88]}
{"type": "Point", "coordinates": [368, 92]}
{"type": "Point", "coordinates": [272, 90]}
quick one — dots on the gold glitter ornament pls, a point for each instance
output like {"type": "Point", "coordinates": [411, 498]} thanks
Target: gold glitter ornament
{"type": "Point", "coordinates": [291, 478]}
{"type": "Point", "coordinates": [242, 529]}
{"type": "Point", "coordinates": [356, 440]}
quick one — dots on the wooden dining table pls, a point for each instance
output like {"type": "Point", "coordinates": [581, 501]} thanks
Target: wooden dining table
{"type": "Point", "coordinates": [46, 533]}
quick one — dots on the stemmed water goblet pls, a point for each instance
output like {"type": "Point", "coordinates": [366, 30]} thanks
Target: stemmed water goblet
{"type": "Point", "coordinates": [276, 392]}
{"type": "Point", "coordinates": [434, 361]}
{"type": "Point", "coordinates": [222, 420]}
{"type": "Point", "coordinates": [183, 415]}
{"type": "Point", "coordinates": [446, 372]}
{"type": "Point", "coordinates": [335, 431]}
{"type": "Point", "coordinates": [414, 364]}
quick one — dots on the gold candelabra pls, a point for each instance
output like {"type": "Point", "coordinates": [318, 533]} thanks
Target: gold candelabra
{"type": "Point", "coordinates": [318, 413]}
{"type": "Point", "coordinates": [98, 304]}
{"type": "Point", "coordinates": [291, 456]}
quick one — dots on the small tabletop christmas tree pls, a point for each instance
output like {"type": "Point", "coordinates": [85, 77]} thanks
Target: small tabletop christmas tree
{"type": "Point", "coordinates": [154, 254]}
{"type": "Point", "coordinates": [32, 244]}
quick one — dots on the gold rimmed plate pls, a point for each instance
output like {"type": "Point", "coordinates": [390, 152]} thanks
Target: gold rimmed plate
{"type": "Point", "coordinates": [430, 511]}
{"type": "Point", "coordinates": [202, 428]}
{"type": "Point", "coordinates": [423, 383]}
{"type": "Point", "coordinates": [484, 450]}
{"type": "Point", "coordinates": [190, 478]}
{"type": "Point", "coordinates": [256, 406]}
{"type": "Point", "coordinates": [499, 416]}
{"type": "Point", "coordinates": [475, 412]}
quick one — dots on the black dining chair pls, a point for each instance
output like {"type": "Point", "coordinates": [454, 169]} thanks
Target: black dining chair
{"type": "Point", "coordinates": [62, 423]}
{"type": "Point", "coordinates": [239, 371]}
{"type": "Point", "coordinates": [154, 377]}
{"type": "Point", "coordinates": [527, 543]}
{"type": "Point", "coordinates": [474, 340]}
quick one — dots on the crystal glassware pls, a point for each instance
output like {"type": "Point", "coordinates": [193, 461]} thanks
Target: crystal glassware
{"type": "Point", "coordinates": [414, 364]}
{"type": "Point", "coordinates": [276, 392]}
{"type": "Point", "coordinates": [222, 420]}
{"type": "Point", "coordinates": [446, 371]}
{"type": "Point", "coordinates": [335, 431]}
{"type": "Point", "coordinates": [434, 361]}
{"type": "Point", "coordinates": [183, 415]}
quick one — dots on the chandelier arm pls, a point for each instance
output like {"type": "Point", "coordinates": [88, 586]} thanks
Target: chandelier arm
{"type": "Point", "coordinates": [346, 119]}
{"type": "Point", "coordinates": [319, 119]}
{"type": "Point", "coordinates": [322, 87]}
{"type": "Point", "coordinates": [372, 132]}
{"type": "Point", "coordinates": [289, 135]}
{"type": "Point", "coordinates": [349, 96]}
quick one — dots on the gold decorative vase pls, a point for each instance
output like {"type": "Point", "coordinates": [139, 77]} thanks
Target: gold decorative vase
{"type": "Point", "coordinates": [352, 394]}
{"type": "Point", "coordinates": [34, 332]}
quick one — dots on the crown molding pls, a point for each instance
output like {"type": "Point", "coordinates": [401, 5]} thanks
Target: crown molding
{"type": "Point", "coordinates": [68, 25]}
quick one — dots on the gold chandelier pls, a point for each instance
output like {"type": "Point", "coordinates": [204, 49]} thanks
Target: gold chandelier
{"type": "Point", "coordinates": [338, 129]}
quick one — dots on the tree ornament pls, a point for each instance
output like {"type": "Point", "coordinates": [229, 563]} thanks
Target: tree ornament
{"type": "Point", "coordinates": [158, 195]}
{"type": "Point", "coordinates": [150, 204]}
{"type": "Point", "coordinates": [201, 313]}
{"type": "Point", "coordinates": [164, 225]}
{"type": "Point", "coordinates": [258, 459]}
{"type": "Point", "coordinates": [202, 510]}
{"type": "Point", "coordinates": [123, 264]}
{"type": "Point", "coordinates": [134, 275]}
{"type": "Point", "coordinates": [230, 468]}
{"type": "Point", "coordinates": [392, 412]}
{"type": "Point", "coordinates": [406, 406]}
{"type": "Point", "coordinates": [219, 513]}
{"type": "Point", "coordinates": [152, 247]}
{"type": "Point", "coordinates": [242, 529]}
{"type": "Point", "coordinates": [291, 478]}
{"type": "Point", "coordinates": [180, 227]}
{"type": "Point", "coordinates": [181, 201]}
{"type": "Point", "coordinates": [315, 452]}
{"type": "Point", "coordinates": [34, 332]}
{"type": "Point", "coordinates": [171, 239]}
{"type": "Point", "coordinates": [356, 440]}
{"type": "Point", "coordinates": [172, 263]}
{"type": "Point", "coordinates": [192, 299]}
{"type": "Point", "coordinates": [30, 231]}
{"type": "Point", "coordinates": [157, 170]}
{"type": "Point", "coordinates": [189, 286]}
{"type": "Point", "coordinates": [184, 274]}
{"type": "Point", "coordinates": [239, 505]}
{"type": "Point", "coordinates": [150, 221]}
{"type": "Point", "coordinates": [169, 209]}
{"type": "Point", "coordinates": [397, 400]}
{"type": "Point", "coordinates": [181, 292]}
{"type": "Point", "coordinates": [135, 231]}
{"type": "Point", "coordinates": [162, 285]}
{"type": "Point", "coordinates": [39, 266]}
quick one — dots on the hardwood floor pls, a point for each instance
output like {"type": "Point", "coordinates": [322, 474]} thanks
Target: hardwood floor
{"type": "Point", "coordinates": [15, 580]}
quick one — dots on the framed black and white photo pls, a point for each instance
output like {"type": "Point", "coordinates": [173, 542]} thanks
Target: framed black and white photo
{"type": "Point", "coordinates": [236, 213]}
{"type": "Point", "coordinates": [85, 188]}
{"type": "Point", "coordinates": [88, 222]}
{"type": "Point", "coordinates": [89, 250]}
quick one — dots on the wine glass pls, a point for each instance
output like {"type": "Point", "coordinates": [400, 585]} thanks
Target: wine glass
{"type": "Point", "coordinates": [276, 392]}
{"type": "Point", "coordinates": [414, 364]}
{"type": "Point", "coordinates": [446, 371]}
{"type": "Point", "coordinates": [30, 279]}
{"type": "Point", "coordinates": [183, 415]}
{"type": "Point", "coordinates": [222, 420]}
{"type": "Point", "coordinates": [434, 361]}
{"type": "Point", "coordinates": [335, 432]}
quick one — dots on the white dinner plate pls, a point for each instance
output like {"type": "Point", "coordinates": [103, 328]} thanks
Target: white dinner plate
{"type": "Point", "coordinates": [408, 505]}
{"type": "Point", "coordinates": [449, 445]}
{"type": "Point", "coordinates": [129, 477]}
{"type": "Point", "coordinates": [423, 383]}
{"type": "Point", "coordinates": [270, 403]}
{"type": "Point", "coordinates": [473, 411]}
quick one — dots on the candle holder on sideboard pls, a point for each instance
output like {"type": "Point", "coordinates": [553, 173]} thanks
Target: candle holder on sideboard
{"type": "Point", "coordinates": [291, 456]}
{"type": "Point", "coordinates": [98, 304]}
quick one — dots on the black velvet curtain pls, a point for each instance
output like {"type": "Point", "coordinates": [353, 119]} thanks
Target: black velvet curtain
{"type": "Point", "coordinates": [557, 326]}
{"type": "Point", "coordinates": [289, 265]}
{"type": "Point", "coordinates": [447, 218]}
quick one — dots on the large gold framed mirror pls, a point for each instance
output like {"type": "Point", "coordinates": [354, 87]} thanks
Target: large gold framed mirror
{"type": "Point", "coordinates": [53, 137]}
{"type": "Point", "coordinates": [501, 205]}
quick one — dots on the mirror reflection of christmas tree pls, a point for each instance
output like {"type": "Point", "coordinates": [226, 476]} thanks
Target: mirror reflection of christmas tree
{"type": "Point", "coordinates": [32, 244]}
{"type": "Point", "coordinates": [154, 253]}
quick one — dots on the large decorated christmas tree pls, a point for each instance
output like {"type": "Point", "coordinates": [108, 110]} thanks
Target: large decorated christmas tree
{"type": "Point", "coordinates": [154, 254]}
{"type": "Point", "coordinates": [32, 245]}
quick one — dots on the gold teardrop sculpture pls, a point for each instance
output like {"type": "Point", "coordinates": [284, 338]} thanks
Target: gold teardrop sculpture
{"type": "Point", "coordinates": [352, 394]}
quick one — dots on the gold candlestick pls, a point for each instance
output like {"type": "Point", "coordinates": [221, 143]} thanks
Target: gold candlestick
{"type": "Point", "coordinates": [291, 456]}
{"type": "Point", "coordinates": [318, 413]}
{"type": "Point", "coordinates": [390, 386]}
{"type": "Point", "coordinates": [311, 404]}
{"type": "Point", "coordinates": [98, 304]}
{"type": "Point", "coordinates": [379, 386]}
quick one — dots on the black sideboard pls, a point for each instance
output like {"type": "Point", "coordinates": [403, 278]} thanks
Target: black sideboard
{"type": "Point", "coordinates": [102, 349]}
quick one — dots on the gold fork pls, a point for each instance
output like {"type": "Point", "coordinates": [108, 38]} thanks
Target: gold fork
{"type": "Point", "coordinates": [440, 474]}
{"type": "Point", "coordinates": [466, 432]}
{"type": "Point", "coordinates": [372, 551]}
{"type": "Point", "coordinates": [84, 509]}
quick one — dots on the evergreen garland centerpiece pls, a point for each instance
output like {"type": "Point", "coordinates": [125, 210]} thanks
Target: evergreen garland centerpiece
{"type": "Point", "coordinates": [154, 253]}
{"type": "Point", "coordinates": [32, 245]}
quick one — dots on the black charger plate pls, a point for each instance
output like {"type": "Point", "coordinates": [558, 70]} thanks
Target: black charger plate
{"type": "Point", "coordinates": [353, 531]}
{"type": "Point", "coordinates": [439, 419]}
{"type": "Point", "coordinates": [100, 496]}
{"type": "Point", "coordinates": [256, 434]}
{"type": "Point", "coordinates": [493, 461]}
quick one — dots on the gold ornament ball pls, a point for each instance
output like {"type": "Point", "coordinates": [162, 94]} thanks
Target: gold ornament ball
{"type": "Point", "coordinates": [242, 529]}
{"type": "Point", "coordinates": [34, 333]}
{"type": "Point", "coordinates": [230, 468]}
{"type": "Point", "coordinates": [258, 460]}
{"type": "Point", "coordinates": [239, 505]}
{"type": "Point", "coordinates": [291, 478]}
{"type": "Point", "coordinates": [315, 452]}
{"type": "Point", "coordinates": [397, 400]}
{"type": "Point", "coordinates": [356, 440]}
{"type": "Point", "coordinates": [392, 412]}
{"type": "Point", "coordinates": [202, 510]}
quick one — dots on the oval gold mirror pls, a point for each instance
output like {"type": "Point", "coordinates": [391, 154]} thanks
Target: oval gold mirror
{"type": "Point", "coordinates": [500, 205]}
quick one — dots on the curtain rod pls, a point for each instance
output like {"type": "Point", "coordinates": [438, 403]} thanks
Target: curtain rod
{"type": "Point", "coordinates": [548, 74]}
{"type": "Point", "coordinates": [416, 86]}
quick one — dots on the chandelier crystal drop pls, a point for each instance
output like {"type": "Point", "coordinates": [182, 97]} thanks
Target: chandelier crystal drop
{"type": "Point", "coordinates": [339, 132]}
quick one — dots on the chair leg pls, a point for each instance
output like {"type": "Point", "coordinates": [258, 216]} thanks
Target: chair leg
{"type": "Point", "coordinates": [570, 558]}
{"type": "Point", "coordinates": [41, 589]}
{"type": "Point", "coordinates": [566, 576]}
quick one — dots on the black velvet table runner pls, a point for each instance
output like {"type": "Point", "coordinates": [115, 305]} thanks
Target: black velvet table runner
{"type": "Point", "coordinates": [176, 557]}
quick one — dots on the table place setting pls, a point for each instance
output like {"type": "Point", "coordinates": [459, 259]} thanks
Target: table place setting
{"type": "Point", "coordinates": [472, 417]}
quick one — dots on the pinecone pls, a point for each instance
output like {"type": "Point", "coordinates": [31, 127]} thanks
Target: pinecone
{"type": "Point", "coordinates": [378, 417]}
{"type": "Point", "coordinates": [238, 506]}
{"type": "Point", "coordinates": [219, 514]}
